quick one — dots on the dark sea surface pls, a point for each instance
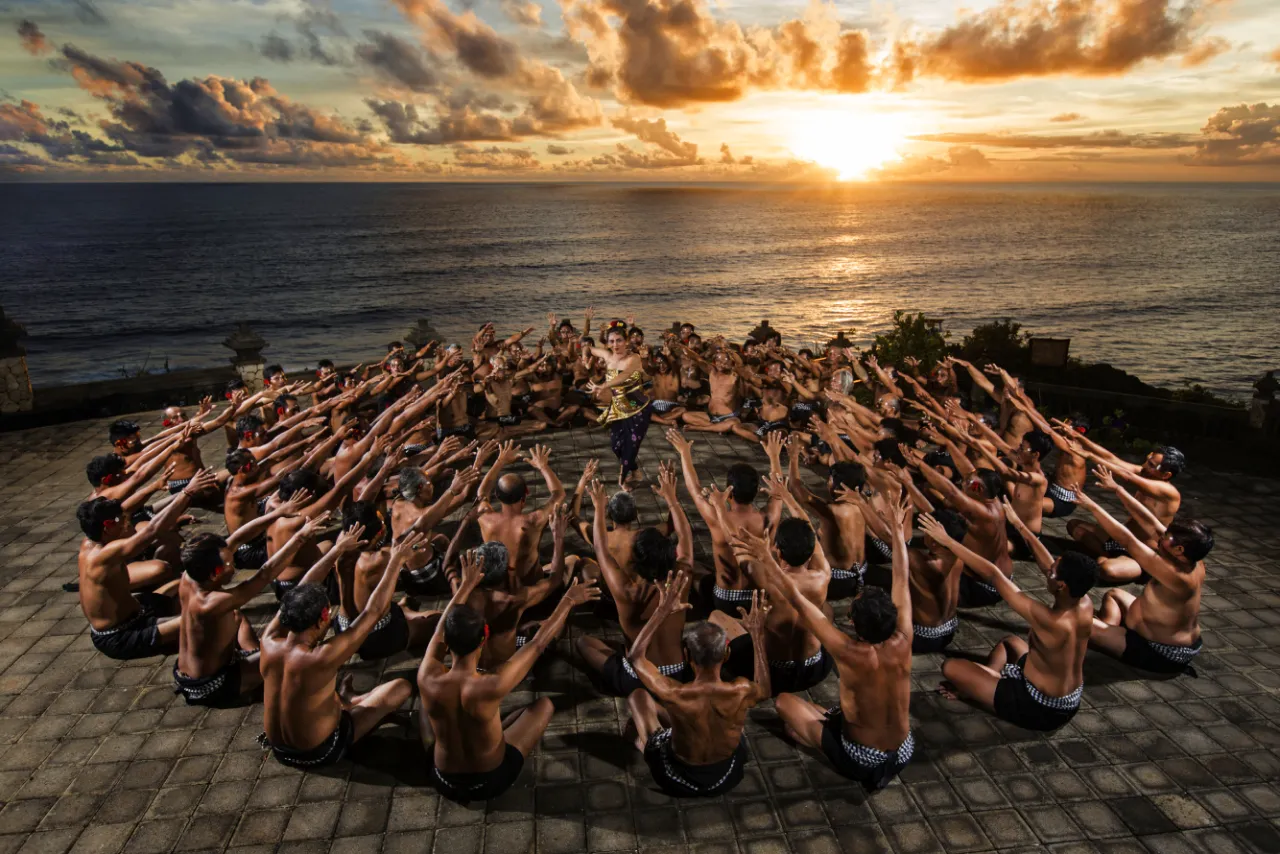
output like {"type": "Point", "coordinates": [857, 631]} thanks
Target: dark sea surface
{"type": "Point", "coordinates": [1176, 283]}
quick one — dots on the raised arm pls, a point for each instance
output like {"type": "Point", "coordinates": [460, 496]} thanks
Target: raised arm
{"type": "Point", "coordinates": [673, 598]}
{"type": "Point", "coordinates": [166, 520]}
{"type": "Point", "coordinates": [581, 525]}
{"type": "Point", "coordinates": [1044, 559]}
{"type": "Point", "coordinates": [518, 666]}
{"type": "Point", "coordinates": [951, 493]}
{"type": "Point", "coordinates": [666, 490]}
{"type": "Point", "coordinates": [614, 578]}
{"type": "Point", "coordinates": [1026, 607]}
{"type": "Point", "coordinates": [346, 643]}
{"type": "Point", "coordinates": [433, 661]}
{"type": "Point", "coordinates": [331, 499]}
{"type": "Point", "coordinates": [1136, 508]}
{"type": "Point", "coordinates": [761, 687]}
{"type": "Point", "coordinates": [1147, 558]}
{"type": "Point", "coordinates": [692, 485]}
{"type": "Point", "coordinates": [241, 594]}
{"type": "Point", "coordinates": [508, 453]}
{"type": "Point", "coordinates": [540, 459]}
{"type": "Point", "coordinates": [899, 521]}
{"type": "Point", "coordinates": [755, 552]}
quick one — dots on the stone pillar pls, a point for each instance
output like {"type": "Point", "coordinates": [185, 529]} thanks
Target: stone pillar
{"type": "Point", "coordinates": [15, 381]}
{"type": "Point", "coordinates": [248, 361]}
{"type": "Point", "coordinates": [419, 335]}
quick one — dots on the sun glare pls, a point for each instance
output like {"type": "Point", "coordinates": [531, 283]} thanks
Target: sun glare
{"type": "Point", "coordinates": [851, 142]}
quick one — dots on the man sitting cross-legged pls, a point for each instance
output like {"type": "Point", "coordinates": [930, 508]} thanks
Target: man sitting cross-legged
{"type": "Point", "coordinates": [693, 743]}
{"type": "Point", "coordinates": [477, 754]}
{"type": "Point", "coordinates": [125, 625]}
{"type": "Point", "coordinates": [308, 722]}
{"type": "Point", "coordinates": [217, 648]}
{"type": "Point", "coordinates": [1159, 630]}
{"type": "Point", "coordinates": [797, 660]}
{"type": "Point", "coordinates": [1037, 683]}
{"type": "Point", "coordinates": [868, 737]}
{"type": "Point", "coordinates": [636, 591]}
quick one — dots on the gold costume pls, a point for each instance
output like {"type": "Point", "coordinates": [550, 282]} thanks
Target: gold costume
{"type": "Point", "coordinates": [622, 407]}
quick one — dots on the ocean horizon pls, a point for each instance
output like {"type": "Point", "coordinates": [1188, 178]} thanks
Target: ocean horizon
{"type": "Point", "coordinates": [111, 278]}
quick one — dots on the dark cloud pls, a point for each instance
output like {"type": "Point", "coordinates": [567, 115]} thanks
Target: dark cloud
{"type": "Point", "coordinates": [24, 122]}
{"type": "Point", "coordinates": [558, 150]}
{"type": "Point", "coordinates": [477, 46]}
{"type": "Point", "coordinates": [1243, 135]}
{"type": "Point", "coordinates": [961, 159]}
{"type": "Point", "coordinates": [1100, 139]}
{"type": "Point", "coordinates": [33, 41]}
{"type": "Point", "coordinates": [728, 159]}
{"type": "Point", "coordinates": [213, 120]}
{"type": "Point", "coordinates": [1079, 37]}
{"type": "Point", "coordinates": [1067, 117]}
{"type": "Point", "coordinates": [671, 53]}
{"type": "Point", "coordinates": [88, 13]}
{"type": "Point", "coordinates": [14, 159]}
{"type": "Point", "coordinates": [398, 61]}
{"type": "Point", "coordinates": [655, 132]}
{"type": "Point", "coordinates": [276, 47]}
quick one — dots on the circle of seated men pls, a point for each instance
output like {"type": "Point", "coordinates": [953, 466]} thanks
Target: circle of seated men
{"type": "Point", "coordinates": [337, 507]}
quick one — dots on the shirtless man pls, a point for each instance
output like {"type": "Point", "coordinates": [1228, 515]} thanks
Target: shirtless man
{"type": "Point", "coordinates": [248, 491]}
{"type": "Point", "coordinates": [500, 421]}
{"type": "Point", "coordinates": [125, 625]}
{"type": "Point", "coordinates": [502, 602]}
{"type": "Point", "coordinates": [868, 737]}
{"type": "Point", "coordinates": [935, 586]}
{"type": "Point", "coordinates": [732, 587]}
{"type": "Point", "coordinates": [694, 744]}
{"type": "Point", "coordinates": [398, 627]}
{"type": "Point", "coordinates": [636, 592]}
{"type": "Point", "coordinates": [797, 660]}
{"type": "Point", "coordinates": [1035, 683]}
{"type": "Point", "coordinates": [978, 501]}
{"type": "Point", "coordinates": [724, 410]}
{"type": "Point", "coordinates": [1069, 468]}
{"type": "Point", "coordinates": [308, 722]}
{"type": "Point", "coordinates": [477, 754]}
{"type": "Point", "coordinates": [1159, 630]}
{"type": "Point", "coordinates": [508, 523]}
{"type": "Point", "coordinates": [841, 528]}
{"type": "Point", "coordinates": [187, 454]}
{"type": "Point", "coordinates": [1151, 481]}
{"type": "Point", "coordinates": [283, 528]}
{"type": "Point", "coordinates": [413, 508]}
{"type": "Point", "coordinates": [1026, 485]}
{"type": "Point", "coordinates": [217, 660]}
{"type": "Point", "coordinates": [1014, 422]}
{"type": "Point", "coordinates": [665, 400]}
{"type": "Point", "coordinates": [546, 387]}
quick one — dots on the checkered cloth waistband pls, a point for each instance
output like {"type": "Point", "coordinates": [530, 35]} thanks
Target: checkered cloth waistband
{"type": "Point", "coordinates": [858, 571]}
{"type": "Point", "coordinates": [175, 485]}
{"type": "Point", "coordinates": [414, 450]}
{"type": "Point", "coordinates": [734, 595]}
{"type": "Point", "coordinates": [938, 631]}
{"type": "Point", "coordinates": [870, 757]}
{"type": "Point", "coordinates": [344, 623]}
{"type": "Point", "coordinates": [808, 662]}
{"type": "Point", "coordinates": [716, 419]}
{"type": "Point", "coordinates": [1174, 653]}
{"type": "Point", "coordinates": [521, 640]}
{"type": "Point", "coordinates": [1062, 494]}
{"type": "Point", "coordinates": [660, 739]}
{"type": "Point", "coordinates": [881, 546]}
{"type": "Point", "coordinates": [1062, 704]}
{"type": "Point", "coordinates": [664, 669]}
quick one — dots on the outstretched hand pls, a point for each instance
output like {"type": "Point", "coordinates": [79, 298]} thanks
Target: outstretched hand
{"type": "Point", "coordinates": [755, 620]}
{"type": "Point", "coordinates": [678, 441]}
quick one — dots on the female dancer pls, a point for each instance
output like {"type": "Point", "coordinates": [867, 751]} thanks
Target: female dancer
{"type": "Point", "coordinates": [628, 412]}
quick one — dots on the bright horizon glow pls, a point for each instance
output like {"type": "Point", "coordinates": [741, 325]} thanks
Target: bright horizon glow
{"type": "Point", "coordinates": [850, 141]}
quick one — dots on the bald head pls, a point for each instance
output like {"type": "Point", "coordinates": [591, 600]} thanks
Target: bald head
{"type": "Point", "coordinates": [511, 489]}
{"type": "Point", "coordinates": [174, 415]}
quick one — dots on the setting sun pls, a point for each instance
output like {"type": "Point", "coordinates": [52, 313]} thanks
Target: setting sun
{"type": "Point", "coordinates": [849, 141]}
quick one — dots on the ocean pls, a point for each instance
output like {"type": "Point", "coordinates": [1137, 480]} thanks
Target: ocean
{"type": "Point", "coordinates": [1175, 283]}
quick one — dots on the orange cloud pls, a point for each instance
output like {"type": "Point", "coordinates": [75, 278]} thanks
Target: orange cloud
{"type": "Point", "coordinates": [33, 41]}
{"type": "Point", "coordinates": [1067, 117]}
{"type": "Point", "coordinates": [1080, 37]}
{"type": "Point", "coordinates": [1101, 139]}
{"type": "Point", "coordinates": [1243, 135]}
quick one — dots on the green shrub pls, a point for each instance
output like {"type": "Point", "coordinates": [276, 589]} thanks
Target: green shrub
{"type": "Point", "coordinates": [1001, 341]}
{"type": "Point", "coordinates": [910, 335]}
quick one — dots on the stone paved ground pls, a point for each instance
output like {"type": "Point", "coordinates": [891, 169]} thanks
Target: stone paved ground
{"type": "Point", "coordinates": [101, 756]}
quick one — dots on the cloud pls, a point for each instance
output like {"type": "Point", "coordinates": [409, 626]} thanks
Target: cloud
{"type": "Point", "coordinates": [495, 158]}
{"type": "Point", "coordinates": [24, 122]}
{"type": "Point", "coordinates": [1205, 50]}
{"type": "Point", "coordinates": [672, 151]}
{"type": "Point", "coordinates": [33, 41]}
{"type": "Point", "coordinates": [558, 150]}
{"type": "Point", "coordinates": [398, 61]}
{"type": "Point", "coordinates": [477, 46]}
{"type": "Point", "coordinates": [214, 120]}
{"type": "Point", "coordinates": [960, 159]}
{"type": "Point", "coordinates": [673, 53]}
{"type": "Point", "coordinates": [1274, 56]}
{"type": "Point", "coordinates": [1243, 135]}
{"type": "Point", "coordinates": [1067, 117]}
{"type": "Point", "coordinates": [276, 47]}
{"type": "Point", "coordinates": [526, 13]}
{"type": "Point", "coordinates": [728, 159]}
{"type": "Point", "coordinates": [88, 13]}
{"type": "Point", "coordinates": [1100, 139]}
{"type": "Point", "coordinates": [1088, 38]}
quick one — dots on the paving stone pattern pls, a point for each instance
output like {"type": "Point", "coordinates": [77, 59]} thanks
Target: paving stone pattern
{"type": "Point", "coordinates": [101, 756]}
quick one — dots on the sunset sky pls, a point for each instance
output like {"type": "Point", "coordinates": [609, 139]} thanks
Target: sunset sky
{"type": "Point", "coordinates": [666, 90]}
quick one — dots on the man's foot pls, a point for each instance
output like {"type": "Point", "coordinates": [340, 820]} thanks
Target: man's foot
{"type": "Point", "coordinates": [344, 688]}
{"type": "Point", "coordinates": [946, 689]}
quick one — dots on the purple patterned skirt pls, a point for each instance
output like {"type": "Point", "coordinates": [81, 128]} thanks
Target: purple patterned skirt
{"type": "Point", "coordinates": [627, 434]}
